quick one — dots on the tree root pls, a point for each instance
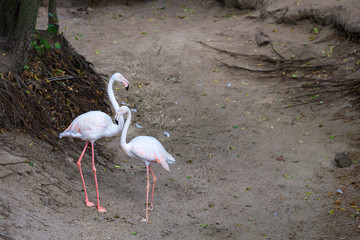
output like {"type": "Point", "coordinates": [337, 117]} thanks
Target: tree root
{"type": "Point", "coordinates": [56, 86]}
{"type": "Point", "coordinates": [337, 78]}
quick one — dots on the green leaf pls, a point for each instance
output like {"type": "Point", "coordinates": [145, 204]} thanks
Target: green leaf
{"type": "Point", "coordinates": [188, 177]}
{"type": "Point", "coordinates": [143, 33]}
{"type": "Point", "coordinates": [232, 148]}
{"type": "Point", "coordinates": [133, 233]}
{"type": "Point", "coordinates": [223, 106]}
{"type": "Point", "coordinates": [26, 67]}
{"type": "Point", "coordinates": [203, 225]}
{"type": "Point", "coordinates": [331, 211]}
{"type": "Point", "coordinates": [235, 127]}
{"type": "Point", "coordinates": [331, 137]}
{"type": "Point", "coordinates": [57, 45]}
{"type": "Point", "coordinates": [316, 30]}
{"type": "Point", "coordinates": [117, 166]}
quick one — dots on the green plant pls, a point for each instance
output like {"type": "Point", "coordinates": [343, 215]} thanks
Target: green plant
{"type": "Point", "coordinates": [52, 29]}
{"type": "Point", "coordinates": [40, 45]}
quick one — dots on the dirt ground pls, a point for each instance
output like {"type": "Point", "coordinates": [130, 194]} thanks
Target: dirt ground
{"type": "Point", "coordinates": [247, 166]}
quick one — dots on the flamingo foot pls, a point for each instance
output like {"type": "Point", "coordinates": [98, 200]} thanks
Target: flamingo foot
{"type": "Point", "coordinates": [101, 209]}
{"type": "Point", "coordinates": [144, 220]}
{"type": "Point", "coordinates": [89, 204]}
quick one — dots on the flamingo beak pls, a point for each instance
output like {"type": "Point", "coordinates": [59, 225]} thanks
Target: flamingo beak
{"type": "Point", "coordinates": [116, 121]}
{"type": "Point", "coordinates": [127, 88]}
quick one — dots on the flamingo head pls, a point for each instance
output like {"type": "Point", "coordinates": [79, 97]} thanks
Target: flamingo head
{"type": "Point", "coordinates": [120, 78]}
{"type": "Point", "coordinates": [119, 118]}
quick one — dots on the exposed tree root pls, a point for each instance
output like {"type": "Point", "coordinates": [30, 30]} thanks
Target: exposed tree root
{"type": "Point", "coordinates": [335, 76]}
{"type": "Point", "coordinates": [55, 86]}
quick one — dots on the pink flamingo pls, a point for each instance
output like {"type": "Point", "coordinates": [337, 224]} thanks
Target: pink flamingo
{"type": "Point", "coordinates": [93, 125]}
{"type": "Point", "coordinates": [146, 149]}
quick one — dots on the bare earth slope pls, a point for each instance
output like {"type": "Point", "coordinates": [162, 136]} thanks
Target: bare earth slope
{"type": "Point", "coordinates": [247, 165]}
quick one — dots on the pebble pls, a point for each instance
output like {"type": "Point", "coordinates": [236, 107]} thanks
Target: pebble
{"type": "Point", "coordinates": [343, 159]}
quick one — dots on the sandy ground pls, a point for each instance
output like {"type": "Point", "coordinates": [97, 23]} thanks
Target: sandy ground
{"type": "Point", "coordinates": [246, 166]}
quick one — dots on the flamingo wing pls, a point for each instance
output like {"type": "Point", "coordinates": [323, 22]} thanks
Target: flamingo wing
{"type": "Point", "coordinates": [149, 149]}
{"type": "Point", "coordinates": [89, 126]}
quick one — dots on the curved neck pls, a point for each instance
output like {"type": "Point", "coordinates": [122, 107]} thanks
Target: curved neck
{"type": "Point", "coordinates": [112, 96]}
{"type": "Point", "coordinates": [125, 129]}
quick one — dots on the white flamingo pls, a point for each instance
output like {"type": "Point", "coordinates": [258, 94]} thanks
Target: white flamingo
{"type": "Point", "coordinates": [146, 149]}
{"type": "Point", "coordinates": [93, 125]}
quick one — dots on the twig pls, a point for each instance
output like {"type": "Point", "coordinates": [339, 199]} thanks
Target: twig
{"type": "Point", "coordinates": [259, 57]}
{"type": "Point", "coordinates": [60, 78]}
{"type": "Point", "coordinates": [13, 163]}
{"type": "Point", "coordinates": [6, 237]}
{"type": "Point", "coordinates": [277, 53]}
{"type": "Point", "coordinates": [9, 174]}
{"type": "Point", "coordinates": [159, 50]}
{"type": "Point", "coordinates": [277, 69]}
{"type": "Point", "coordinates": [247, 69]}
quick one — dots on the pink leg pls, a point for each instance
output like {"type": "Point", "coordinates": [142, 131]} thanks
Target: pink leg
{"type": "Point", "coordinates": [89, 204]}
{"type": "Point", "coordinates": [147, 195]}
{"type": "Point", "coordinates": [100, 209]}
{"type": "Point", "coordinates": [153, 188]}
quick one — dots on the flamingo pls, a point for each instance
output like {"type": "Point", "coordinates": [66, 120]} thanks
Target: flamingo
{"type": "Point", "coordinates": [93, 125]}
{"type": "Point", "coordinates": [147, 149]}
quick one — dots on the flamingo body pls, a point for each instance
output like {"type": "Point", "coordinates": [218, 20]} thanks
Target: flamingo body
{"type": "Point", "coordinates": [147, 149]}
{"type": "Point", "coordinates": [93, 125]}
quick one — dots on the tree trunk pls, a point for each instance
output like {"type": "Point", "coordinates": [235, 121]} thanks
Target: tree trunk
{"type": "Point", "coordinates": [17, 24]}
{"type": "Point", "coordinates": [53, 19]}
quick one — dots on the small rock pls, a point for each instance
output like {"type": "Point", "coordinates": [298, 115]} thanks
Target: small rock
{"type": "Point", "coordinates": [343, 159]}
{"type": "Point", "coordinates": [89, 9]}
{"type": "Point", "coordinates": [261, 39]}
{"type": "Point", "coordinates": [72, 10]}
{"type": "Point", "coordinates": [47, 201]}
